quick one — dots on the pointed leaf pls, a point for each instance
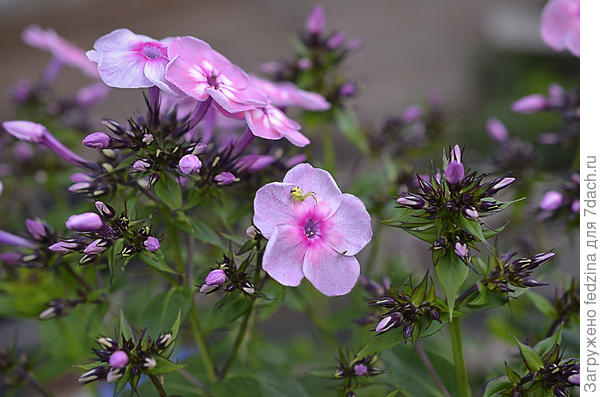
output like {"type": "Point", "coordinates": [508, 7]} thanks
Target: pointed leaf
{"type": "Point", "coordinates": [532, 359]}
{"type": "Point", "coordinates": [452, 273]}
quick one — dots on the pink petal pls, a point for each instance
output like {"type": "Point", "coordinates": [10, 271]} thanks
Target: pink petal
{"type": "Point", "coordinates": [154, 70]}
{"type": "Point", "coordinates": [310, 100]}
{"type": "Point", "coordinates": [119, 40]}
{"type": "Point", "coordinates": [273, 206]}
{"type": "Point", "coordinates": [559, 18]}
{"type": "Point", "coordinates": [284, 255]}
{"type": "Point", "coordinates": [190, 49]}
{"type": "Point", "coordinates": [184, 76]}
{"type": "Point", "coordinates": [572, 41]}
{"type": "Point", "coordinates": [228, 100]}
{"type": "Point", "coordinates": [351, 226]}
{"type": "Point", "coordinates": [123, 69]}
{"type": "Point", "coordinates": [315, 180]}
{"type": "Point", "coordinates": [296, 138]}
{"type": "Point", "coordinates": [331, 273]}
{"type": "Point", "coordinates": [258, 122]}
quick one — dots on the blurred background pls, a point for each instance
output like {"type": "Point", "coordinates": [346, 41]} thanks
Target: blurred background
{"type": "Point", "coordinates": [478, 55]}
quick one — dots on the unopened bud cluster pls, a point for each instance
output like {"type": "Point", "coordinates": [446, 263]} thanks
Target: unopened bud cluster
{"type": "Point", "coordinates": [355, 373]}
{"type": "Point", "coordinates": [507, 272]}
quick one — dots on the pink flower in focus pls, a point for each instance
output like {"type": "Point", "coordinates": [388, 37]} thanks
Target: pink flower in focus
{"type": "Point", "coordinates": [287, 94]}
{"type": "Point", "coordinates": [129, 60]}
{"type": "Point", "coordinates": [314, 230]}
{"type": "Point", "coordinates": [203, 73]}
{"type": "Point", "coordinates": [560, 25]}
{"type": "Point", "coordinates": [67, 53]}
{"type": "Point", "coordinates": [271, 123]}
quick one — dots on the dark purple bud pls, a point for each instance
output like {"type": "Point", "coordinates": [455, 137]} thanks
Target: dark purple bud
{"type": "Point", "coordinates": [455, 172]}
{"type": "Point", "coordinates": [408, 331]}
{"type": "Point", "coordinates": [439, 244]}
{"type": "Point", "coordinates": [247, 287]}
{"type": "Point", "coordinates": [538, 259]}
{"type": "Point", "coordinates": [488, 205]}
{"type": "Point", "coordinates": [529, 104]}
{"type": "Point", "coordinates": [189, 164]}
{"type": "Point", "coordinates": [496, 130]}
{"type": "Point", "coordinates": [114, 375]}
{"type": "Point", "coordinates": [108, 343]}
{"type": "Point", "coordinates": [470, 212]}
{"type": "Point", "coordinates": [501, 184]}
{"type": "Point", "coordinates": [573, 379]}
{"type": "Point", "coordinates": [164, 341]}
{"type": "Point", "coordinates": [436, 315]}
{"type": "Point", "coordinates": [414, 202]}
{"type": "Point", "coordinates": [118, 359]}
{"type": "Point", "coordinates": [388, 322]}
{"type": "Point", "coordinates": [87, 258]}
{"type": "Point", "coordinates": [66, 246]}
{"type": "Point", "coordinates": [384, 302]}
{"type": "Point", "coordinates": [315, 23]}
{"type": "Point", "coordinates": [533, 283]}
{"type": "Point", "coordinates": [551, 201]}
{"type": "Point", "coordinates": [152, 244]}
{"type": "Point", "coordinates": [86, 222]}
{"type": "Point", "coordinates": [105, 210]}
{"type": "Point", "coordinates": [423, 181]}
{"type": "Point", "coordinates": [97, 140]}
{"type": "Point", "coordinates": [97, 246]}
{"type": "Point", "coordinates": [93, 374]}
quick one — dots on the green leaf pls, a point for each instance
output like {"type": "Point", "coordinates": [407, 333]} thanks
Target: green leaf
{"type": "Point", "coordinates": [156, 261]}
{"type": "Point", "coordinates": [169, 191]}
{"type": "Point", "coordinates": [165, 309]}
{"type": "Point", "coordinates": [418, 295]}
{"type": "Point", "coordinates": [381, 342]}
{"type": "Point", "coordinates": [199, 230]}
{"type": "Point", "coordinates": [472, 226]}
{"type": "Point", "coordinates": [163, 366]}
{"type": "Point", "coordinates": [228, 309]}
{"type": "Point", "coordinates": [542, 304]}
{"type": "Point", "coordinates": [512, 374]}
{"type": "Point", "coordinates": [496, 386]}
{"type": "Point", "coordinates": [452, 273]}
{"type": "Point", "coordinates": [176, 325]}
{"type": "Point", "coordinates": [544, 346]}
{"type": "Point", "coordinates": [348, 124]}
{"type": "Point", "coordinates": [124, 328]}
{"type": "Point", "coordinates": [532, 359]}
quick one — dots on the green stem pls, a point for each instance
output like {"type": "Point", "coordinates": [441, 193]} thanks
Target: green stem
{"type": "Point", "coordinates": [202, 343]}
{"type": "Point", "coordinates": [237, 343]}
{"type": "Point", "coordinates": [459, 360]}
{"type": "Point", "coordinates": [158, 386]}
{"type": "Point", "coordinates": [328, 150]}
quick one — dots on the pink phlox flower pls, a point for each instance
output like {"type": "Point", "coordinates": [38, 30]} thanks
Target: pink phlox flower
{"type": "Point", "coordinates": [559, 26]}
{"type": "Point", "coordinates": [269, 122]}
{"type": "Point", "coordinates": [288, 94]}
{"type": "Point", "coordinates": [314, 230]}
{"type": "Point", "coordinates": [61, 49]}
{"type": "Point", "coordinates": [129, 60]}
{"type": "Point", "coordinates": [202, 73]}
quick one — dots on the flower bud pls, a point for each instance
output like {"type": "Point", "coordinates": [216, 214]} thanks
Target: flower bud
{"type": "Point", "coordinates": [455, 172]}
{"type": "Point", "coordinates": [36, 229]}
{"type": "Point", "coordinates": [26, 130]}
{"type": "Point", "coordinates": [336, 40]}
{"type": "Point", "coordinates": [347, 89]}
{"type": "Point", "coordinates": [529, 104]}
{"type": "Point", "coordinates": [66, 246]}
{"type": "Point", "coordinates": [304, 64]}
{"type": "Point", "coordinates": [141, 165]}
{"type": "Point", "coordinates": [496, 130]}
{"type": "Point", "coordinates": [470, 212]}
{"type": "Point", "coordinates": [408, 331]}
{"type": "Point", "coordinates": [147, 139]}
{"type": "Point", "coordinates": [118, 359]}
{"type": "Point", "coordinates": [108, 343]}
{"type": "Point", "coordinates": [573, 379]}
{"type": "Point", "coordinates": [97, 246]}
{"type": "Point", "coordinates": [164, 341]}
{"type": "Point", "coordinates": [411, 114]}
{"type": "Point", "coordinates": [215, 278]}
{"type": "Point", "coordinates": [150, 362]}
{"type": "Point", "coordinates": [414, 202]}
{"type": "Point", "coordinates": [538, 259]}
{"type": "Point", "coordinates": [189, 164]}
{"type": "Point", "coordinates": [488, 205]}
{"type": "Point", "coordinates": [247, 287]}
{"type": "Point", "coordinates": [86, 222]}
{"type": "Point", "coordinates": [87, 258]}
{"type": "Point", "coordinates": [81, 187]}
{"type": "Point", "coordinates": [225, 178]}
{"type": "Point", "coordinates": [251, 232]}
{"type": "Point", "coordinates": [360, 369]}
{"type": "Point", "coordinates": [551, 201]}
{"type": "Point", "coordinates": [114, 375]}
{"type": "Point", "coordinates": [97, 140]}
{"type": "Point", "coordinates": [152, 244]}
{"type": "Point", "coordinates": [461, 250]}
{"type": "Point", "coordinates": [388, 322]}
{"type": "Point", "coordinates": [575, 205]}
{"type": "Point", "coordinates": [93, 374]}
{"type": "Point", "coordinates": [105, 210]}
{"type": "Point", "coordinates": [384, 302]}
{"type": "Point", "coordinates": [504, 182]}
{"type": "Point", "coordinates": [533, 283]}
{"type": "Point", "coordinates": [315, 23]}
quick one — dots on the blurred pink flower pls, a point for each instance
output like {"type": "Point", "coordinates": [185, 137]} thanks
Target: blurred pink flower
{"type": "Point", "coordinates": [65, 52]}
{"type": "Point", "coordinates": [496, 130]}
{"type": "Point", "coordinates": [560, 25]}
{"type": "Point", "coordinates": [313, 233]}
{"type": "Point", "coordinates": [203, 73]}
{"type": "Point", "coordinates": [129, 60]}
{"type": "Point", "coordinates": [287, 94]}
